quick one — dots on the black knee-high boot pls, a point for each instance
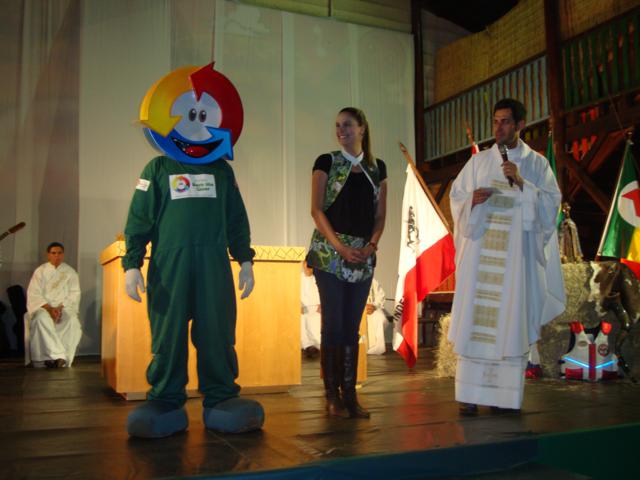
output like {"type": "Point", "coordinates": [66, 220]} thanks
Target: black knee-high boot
{"type": "Point", "coordinates": [349, 380]}
{"type": "Point", "coordinates": [331, 362]}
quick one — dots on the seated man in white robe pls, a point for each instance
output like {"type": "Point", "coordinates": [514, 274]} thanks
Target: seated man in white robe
{"type": "Point", "coordinates": [53, 329]}
{"type": "Point", "coordinates": [310, 319]}
{"type": "Point", "coordinates": [509, 283]}
{"type": "Point", "coordinates": [376, 319]}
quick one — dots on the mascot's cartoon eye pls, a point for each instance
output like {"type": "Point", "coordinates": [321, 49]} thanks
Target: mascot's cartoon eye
{"type": "Point", "coordinates": [203, 116]}
{"type": "Point", "coordinates": [192, 114]}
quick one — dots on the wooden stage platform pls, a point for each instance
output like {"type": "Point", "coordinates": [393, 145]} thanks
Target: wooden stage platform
{"type": "Point", "coordinates": [68, 424]}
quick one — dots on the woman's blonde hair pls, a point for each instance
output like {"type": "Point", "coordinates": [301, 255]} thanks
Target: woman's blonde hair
{"type": "Point", "coordinates": [360, 117]}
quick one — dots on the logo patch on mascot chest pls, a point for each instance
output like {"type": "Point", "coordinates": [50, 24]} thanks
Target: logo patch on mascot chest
{"type": "Point", "coordinates": [192, 186]}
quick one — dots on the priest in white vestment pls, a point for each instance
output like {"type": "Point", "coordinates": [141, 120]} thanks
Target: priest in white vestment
{"type": "Point", "coordinates": [310, 318]}
{"type": "Point", "coordinates": [376, 319]}
{"type": "Point", "coordinates": [508, 276]}
{"type": "Point", "coordinates": [53, 329]}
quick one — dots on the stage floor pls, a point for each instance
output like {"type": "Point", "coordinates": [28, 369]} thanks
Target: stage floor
{"type": "Point", "coordinates": [68, 424]}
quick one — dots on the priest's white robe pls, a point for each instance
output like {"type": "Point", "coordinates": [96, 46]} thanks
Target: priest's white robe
{"type": "Point", "coordinates": [310, 320]}
{"type": "Point", "coordinates": [508, 276]}
{"type": "Point", "coordinates": [377, 320]}
{"type": "Point", "coordinates": [45, 339]}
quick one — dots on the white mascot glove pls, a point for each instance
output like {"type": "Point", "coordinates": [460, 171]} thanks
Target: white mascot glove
{"type": "Point", "coordinates": [245, 279]}
{"type": "Point", "coordinates": [132, 282]}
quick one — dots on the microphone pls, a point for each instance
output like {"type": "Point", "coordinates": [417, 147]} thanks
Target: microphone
{"type": "Point", "coordinates": [503, 151]}
{"type": "Point", "coordinates": [13, 229]}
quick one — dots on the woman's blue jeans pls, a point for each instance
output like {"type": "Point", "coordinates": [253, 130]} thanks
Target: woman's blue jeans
{"type": "Point", "coordinates": [342, 304]}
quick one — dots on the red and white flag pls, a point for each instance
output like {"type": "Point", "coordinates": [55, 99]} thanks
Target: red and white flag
{"type": "Point", "coordinates": [474, 146]}
{"type": "Point", "coordinates": [427, 258]}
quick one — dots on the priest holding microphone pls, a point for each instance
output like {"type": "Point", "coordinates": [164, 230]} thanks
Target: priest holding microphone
{"type": "Point", "coordinates": [509, 283]}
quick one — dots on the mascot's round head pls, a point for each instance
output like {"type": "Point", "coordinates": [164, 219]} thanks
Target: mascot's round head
{"type": "Point", "coordinates": [193, 115]}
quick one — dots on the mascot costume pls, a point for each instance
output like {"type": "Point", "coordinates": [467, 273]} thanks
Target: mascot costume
{"type": "Point", "coordinates": [188, 205]}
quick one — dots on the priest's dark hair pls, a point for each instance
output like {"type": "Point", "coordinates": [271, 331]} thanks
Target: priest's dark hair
{"type": "Point", "coordinates": [54, 244]}
{"type": "Point", "coordinates": [517, 108]}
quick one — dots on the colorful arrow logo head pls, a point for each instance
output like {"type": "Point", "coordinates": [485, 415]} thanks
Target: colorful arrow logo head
{"type": "Point", "coordinates": [193, 115]}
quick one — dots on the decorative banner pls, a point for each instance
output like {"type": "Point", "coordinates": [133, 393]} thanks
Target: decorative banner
{"type": "Point", "coordinates": [193, 115]}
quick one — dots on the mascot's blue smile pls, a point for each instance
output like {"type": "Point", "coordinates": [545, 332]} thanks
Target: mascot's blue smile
{"type": "Point", "coordinates": [189, 151]}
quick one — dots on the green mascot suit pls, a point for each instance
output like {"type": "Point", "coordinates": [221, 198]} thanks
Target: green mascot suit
{"type": "Point", "coordinates": [188, 205]}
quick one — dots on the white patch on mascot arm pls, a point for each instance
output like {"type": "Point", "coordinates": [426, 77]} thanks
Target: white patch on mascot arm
{"type": "Point", "coordinates": [143, 184]}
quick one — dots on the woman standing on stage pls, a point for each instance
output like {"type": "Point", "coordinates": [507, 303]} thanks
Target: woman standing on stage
{"type": "Point", "coordinates": [348, 206]}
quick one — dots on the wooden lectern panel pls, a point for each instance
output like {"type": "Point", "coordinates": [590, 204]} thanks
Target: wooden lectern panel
{"type": "Point", "coordinates": [267, 326]}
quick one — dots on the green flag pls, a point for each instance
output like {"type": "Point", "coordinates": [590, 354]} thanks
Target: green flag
{"type": "Point", "coordinates": [621, 237]}
{"type": "Point", "coordinates": [552, 161]}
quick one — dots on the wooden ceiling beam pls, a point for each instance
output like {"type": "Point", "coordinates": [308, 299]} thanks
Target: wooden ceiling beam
{"type": "Point", "coordinates": [588, 184]}
{"type": "Point", "coordinates": [574, 186]}
{"type": "Point", "coordinates": [554, 86]}
{"type": "Point", "coordinates": [442, 190]}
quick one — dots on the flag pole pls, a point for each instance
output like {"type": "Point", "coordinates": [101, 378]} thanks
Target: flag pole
{"type": "Point", "coordinates": [427, 192]}
{"type": "Point", "coordinates": [477, 148]}
{"type": "Point", "coordinates": [469, 134]}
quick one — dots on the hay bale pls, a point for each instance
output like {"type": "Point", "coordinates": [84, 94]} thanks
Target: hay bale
{"type": "Point", "coordinates": [555, 336]}
{"type": "Point", "coordinates": [581, 300]}
{"type": "Point", "coordinates": [583, 306]}
{"type": "Point", "coordinates": [445, 357]}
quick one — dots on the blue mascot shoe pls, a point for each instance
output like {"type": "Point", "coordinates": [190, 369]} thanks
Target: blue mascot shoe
{"type": "Point", "coordinates": [154, 419]}
{"type": "Point", "coordinates": [236, 415]}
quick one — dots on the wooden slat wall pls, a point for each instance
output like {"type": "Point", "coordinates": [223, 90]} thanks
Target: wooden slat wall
{"type": "Point", "coordinates": [579, 16]}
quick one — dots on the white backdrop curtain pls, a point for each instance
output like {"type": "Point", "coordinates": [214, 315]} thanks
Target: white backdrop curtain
{"type": "Point", "coordinates": [74, 73]}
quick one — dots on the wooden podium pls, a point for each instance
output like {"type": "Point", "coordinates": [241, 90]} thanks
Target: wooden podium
{"type": "Point", "coordinates": [362, 351]}
{"type": "Point", "coordinates": [267, 328]}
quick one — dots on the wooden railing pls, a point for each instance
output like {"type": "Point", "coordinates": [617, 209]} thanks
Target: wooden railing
{"type": "Point", "coordinates": [603, 61]}
{"type": "Point", "coordinates": [599, 63]}
{"type": "Point", "coordinates": [446, 122]}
